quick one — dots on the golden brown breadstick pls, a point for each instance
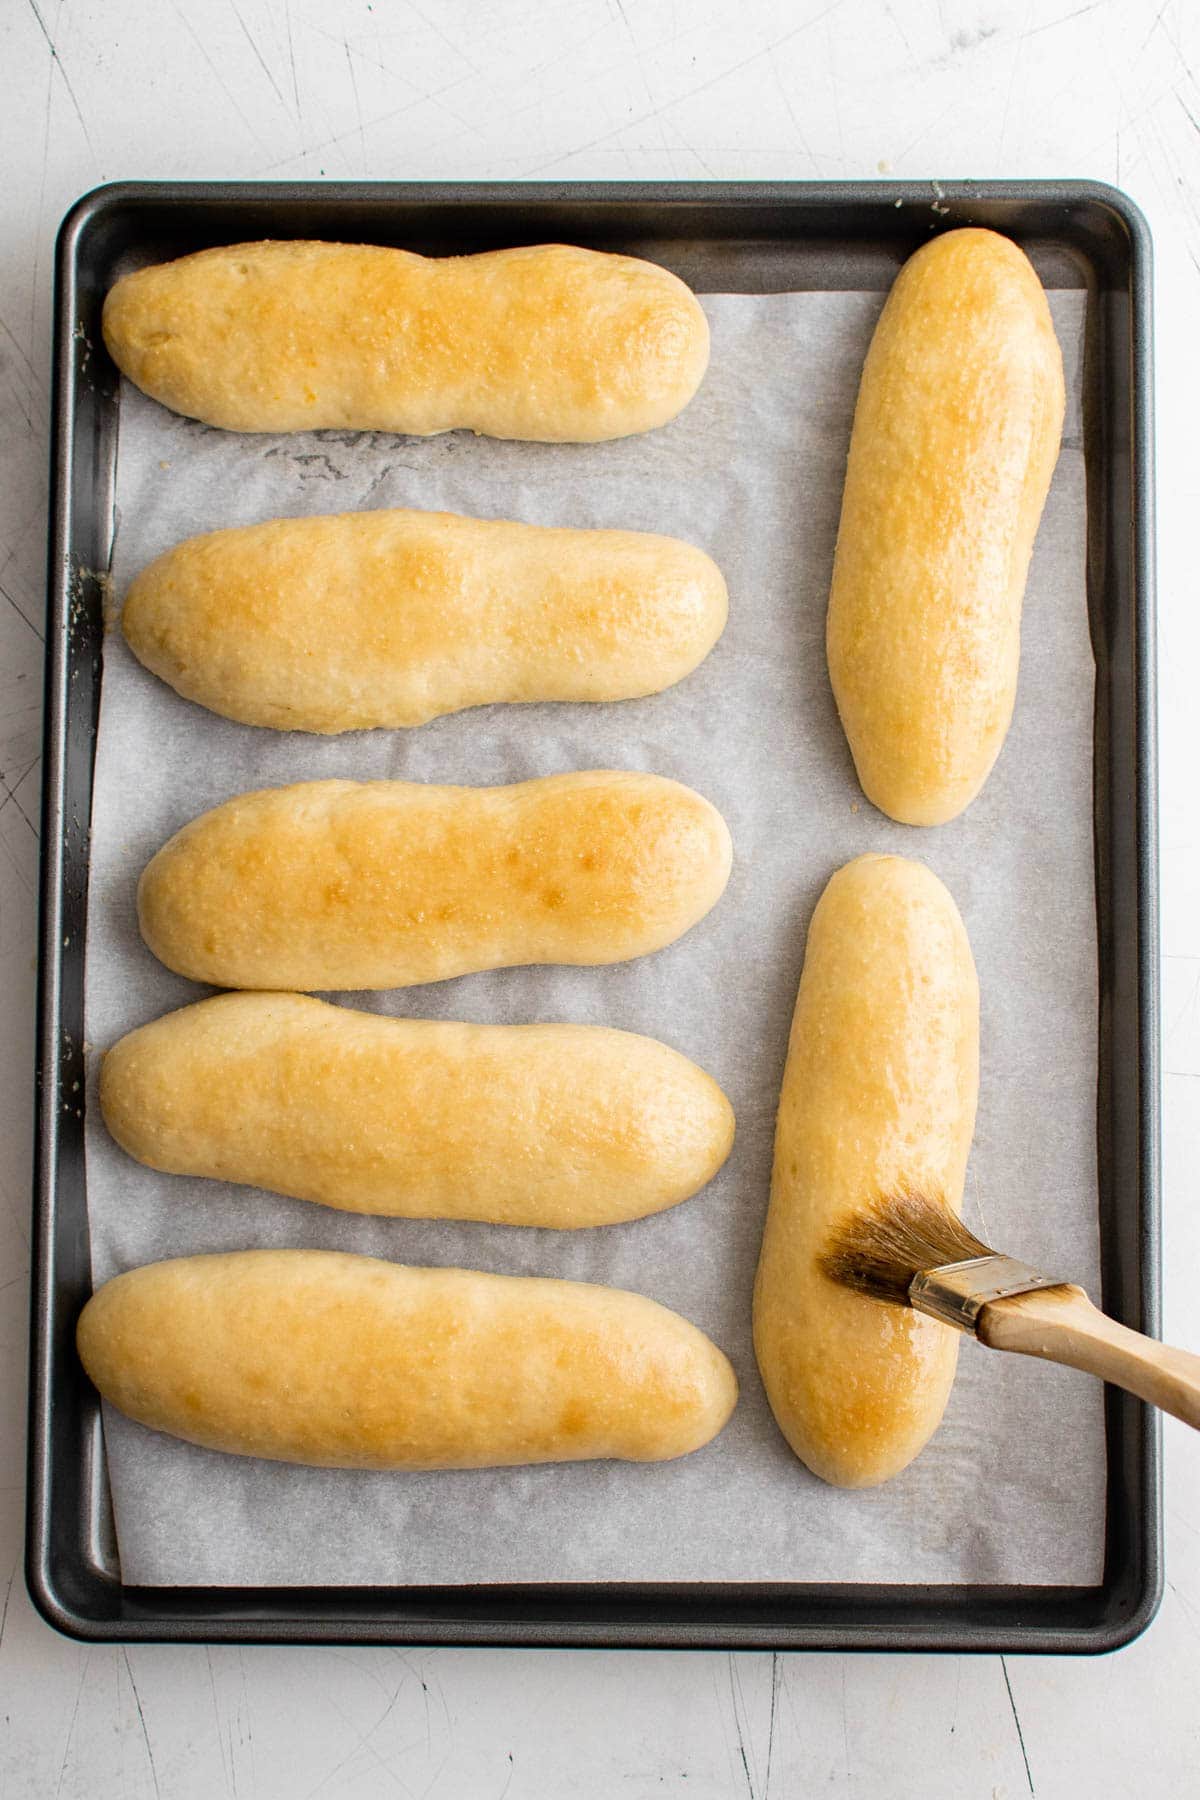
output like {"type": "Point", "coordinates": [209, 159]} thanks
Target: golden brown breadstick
{"type": "Point", "coordinates": [955, 438]}
{"type": "Point", "coordinates": [879, 1091]}
{"type": "Point", "coordinates": [313, 1356]}
{"type": "Point", "coordinates": [545, 341]}
{"type": "Point", "coordinates": [344, 884]}
{"type": "Point", "coordinates": [562, 1125]}
{"type": "Point", "coordinates": [393, 618]}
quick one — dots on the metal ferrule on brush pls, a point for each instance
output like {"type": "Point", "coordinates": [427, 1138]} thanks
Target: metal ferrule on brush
{"type": "Point", "coordinates": [958, 1292]}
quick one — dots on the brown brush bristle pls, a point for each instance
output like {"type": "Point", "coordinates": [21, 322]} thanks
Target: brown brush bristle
{"type": "Point", "coordinates": [879, 1250]}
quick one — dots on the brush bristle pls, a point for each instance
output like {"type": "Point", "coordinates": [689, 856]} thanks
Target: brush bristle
{"type": "Point", "coordinates": [879, 1250]}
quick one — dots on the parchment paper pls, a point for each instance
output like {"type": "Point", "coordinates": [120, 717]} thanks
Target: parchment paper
{"type": "Point", "coordinates": [1011, 1488]}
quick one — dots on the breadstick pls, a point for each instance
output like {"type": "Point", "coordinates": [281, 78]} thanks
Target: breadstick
{"type": "Point", "coordinates": [544, 342]}
{"type": "Point", "coordinates": [393, 618]}
{"type": "Point", "coordinates": [562, 1125]}
{"type": "Point", "coordinates": [314, 1356]}
{"type": "Point", "coordinates": [955, 438]}
{"type": "Point", "coordinates": [879, 1092]}
{"type": "Point", "coordinates": [343, 884]}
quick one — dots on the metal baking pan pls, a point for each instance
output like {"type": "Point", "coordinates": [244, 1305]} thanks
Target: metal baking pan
{"type": "Point", "coordinates": [749, 237]}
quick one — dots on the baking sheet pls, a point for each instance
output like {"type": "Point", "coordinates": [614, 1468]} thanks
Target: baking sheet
{"type": "Point", "coordinates": [1012, 1487]}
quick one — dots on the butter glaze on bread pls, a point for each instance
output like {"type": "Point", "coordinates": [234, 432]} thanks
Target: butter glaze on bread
{"type": "Point", "coordinates": [313, 1356]}
{"type": "Point", "coordinates": [879, 1092]}
{"type": "Point", "coordinates": [393, 618]}
{"type": "Point", "coordinates": [378, 884]}
{"type": "Point", "coordinates": [955, 438]}
{"type": "Point", "coordinates": [544, 342]}
{"type": "Point", "coordinates": [553, 1125]}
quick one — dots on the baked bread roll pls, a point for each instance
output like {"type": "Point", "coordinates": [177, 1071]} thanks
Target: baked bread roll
{"type": "Point", "coordinates": [879, 1090]}
{"type": "Point", "coordinates": [546, 341]}
{"type": "Point", "coordinates": [393, 618]}
{"type": "Point", "coordinates": [313, 1356]}
{"type": "Point", "coordinates": [955, 438]}
{"type": "Point", "coordinates": [562, 1125]}
{"type": "Point", "coordinates": [378, 884]}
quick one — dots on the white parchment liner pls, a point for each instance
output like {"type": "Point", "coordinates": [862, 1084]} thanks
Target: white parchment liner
{"type": "Point", "coordinates": [1012, 1487]}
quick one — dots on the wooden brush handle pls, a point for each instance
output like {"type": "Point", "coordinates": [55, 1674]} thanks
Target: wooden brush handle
{"type": "Point", "coordinates": [1062, 1325]}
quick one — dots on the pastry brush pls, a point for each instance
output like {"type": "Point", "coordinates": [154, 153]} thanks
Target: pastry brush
{"type": "Point", "coordinates": [909, 1248]}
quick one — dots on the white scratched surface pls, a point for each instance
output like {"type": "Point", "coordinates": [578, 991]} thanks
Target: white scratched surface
{"type": "Point", "coordinates": [604, 89]}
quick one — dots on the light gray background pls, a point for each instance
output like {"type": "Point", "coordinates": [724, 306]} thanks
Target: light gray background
{"type": "Point", "coordinates": [592, 88]}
